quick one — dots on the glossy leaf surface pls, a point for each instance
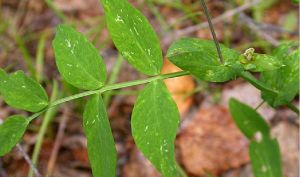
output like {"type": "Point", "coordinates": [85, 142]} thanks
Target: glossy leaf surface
{"type": "Point", "coordinates": [154, 124]}
{"type": "Point", "coordinates": [265, 158]}
{"type": "Point", "coordinates": [78, 61]}
{"type": "Point", "coordinates": [248, 120]}
{"type": "Point", "coordinates": [11, 131]}
{"type": "Point", "coordinates": [101, 147]}
{"type": "Point", "coordinates": [21, 92]}
{"type": "Point", "coordinates": [201, 59]}
{"type": "Point", "coordinates": [284, 80]}
{"type": "Point", "coordinates": [133, 36]}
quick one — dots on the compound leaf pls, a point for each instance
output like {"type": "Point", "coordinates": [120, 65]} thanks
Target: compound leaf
{"type": "Point", "coordinates": [201, 59]}
{"type": "Point", "coordinates": [248, 120]}
{"type": "Point", "coordinates": [133, 35]}
{"type": "Point", "coordinates": [22, 92]}
{"type": "Point", "coordinates": [265, 158]}
{"type": "Point", "coordinates": [11, 131]}
{"type": "Point", "coordinates": [78, 61]}
{"type": "Point", "coordinates": [154, 123]}
{"type": "Point", "coordinates": [100, 142]}
{"type": "Point", "coordinates": [284, 80]}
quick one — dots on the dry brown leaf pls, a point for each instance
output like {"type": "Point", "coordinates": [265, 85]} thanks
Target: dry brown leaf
{"type": "Point", "coordinates": [211, 143]}
{"type": "Point", "coordinates": [179, 87]}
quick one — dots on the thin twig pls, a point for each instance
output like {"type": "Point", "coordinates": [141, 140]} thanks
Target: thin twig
{"type": "Point", "coordinates": [212, 30]}
{"type": "Point", "coordinates": [58, 141]}
{"type": "Point", "coordinates": [260, 104]}
{"type": "Point", "coordinates": [253, 26]}
{"type": "Point", "coordinates": [27, 159]}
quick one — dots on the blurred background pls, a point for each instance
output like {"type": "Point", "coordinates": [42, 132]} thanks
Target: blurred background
{"type": "Point", "coordinates": [208, 142]}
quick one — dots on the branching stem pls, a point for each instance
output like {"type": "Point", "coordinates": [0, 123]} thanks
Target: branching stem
{"type": "Point", "coordinates": [108, 88]}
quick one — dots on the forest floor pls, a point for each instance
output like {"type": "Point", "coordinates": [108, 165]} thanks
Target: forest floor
{"type": "Point", "coordinates": [208, 142]}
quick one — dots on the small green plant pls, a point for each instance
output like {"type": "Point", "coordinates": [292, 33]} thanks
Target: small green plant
{"type": "Point", "coordinates": [155, 117]}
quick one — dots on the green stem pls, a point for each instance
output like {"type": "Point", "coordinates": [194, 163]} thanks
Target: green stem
{"type": "Point", "coordinates": [262, 87]}
{"type": "Point", "coordinates": [256, 83]}
{"type": "Point", "coordinates": [293, 108]}
{"type": "Point", "coordinates": [113, 78]}
{"type": "Point", "coordinates": [40, 56]}
{"type": "Point", "coordinates": [108, 88]}
{"type": "Point", "coordinates": [47, 119]}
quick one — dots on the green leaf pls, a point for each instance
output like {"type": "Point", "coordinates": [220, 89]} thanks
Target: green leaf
{"type": "Point", "coordinates": [261, 62]}
{"type": "Point", "coordinates": [265, 158]}
{"type": "Point", "coordinates": [11, 131]}
{"type": "Point", "coordinates": [100, 142]}
{"type": "Point", "coordinates": [257, 83]}
{"type": "Point", "coordinates": [154, 123]}
{"type": "Point", "coordinates": [22, 92]}
{"type": "Point", "coordinates": [78, 61]}
{"type": "Point", "coordinates": [133, 36]}
{"type": "Point", "coordinates": [248, 120]}
{"type": "Point", "coordinates": [201, 59]}
{"type": "Point", "coordinates": [283, 51]}
{"type": "Point", "coordinates": [284, 80]}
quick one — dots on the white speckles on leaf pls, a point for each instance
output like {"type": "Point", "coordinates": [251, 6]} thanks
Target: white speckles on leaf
{"type": "Point", "coordinates": [149, 53]}
{"type": "Point", "coordinates": [210, 73]}
{"type": "Point", "coordinates": [146, 128]}
{"type": "Point", "coordinates": [119, 19]}
{"type": "Point", "coordinates": [264, 169]}
{"type": "Point", "coordinates": [140, 19]}
{"type": "Point", "coordinates": [68, 43]}
{"type": "Point", "coordinates": [258, 136]}
{"type": "Point", "coordinates": [137, 33]}
{"type": "Point", "coordinates": [131, 32]}
{"type": "Point", "coordinates": [246, 122]}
